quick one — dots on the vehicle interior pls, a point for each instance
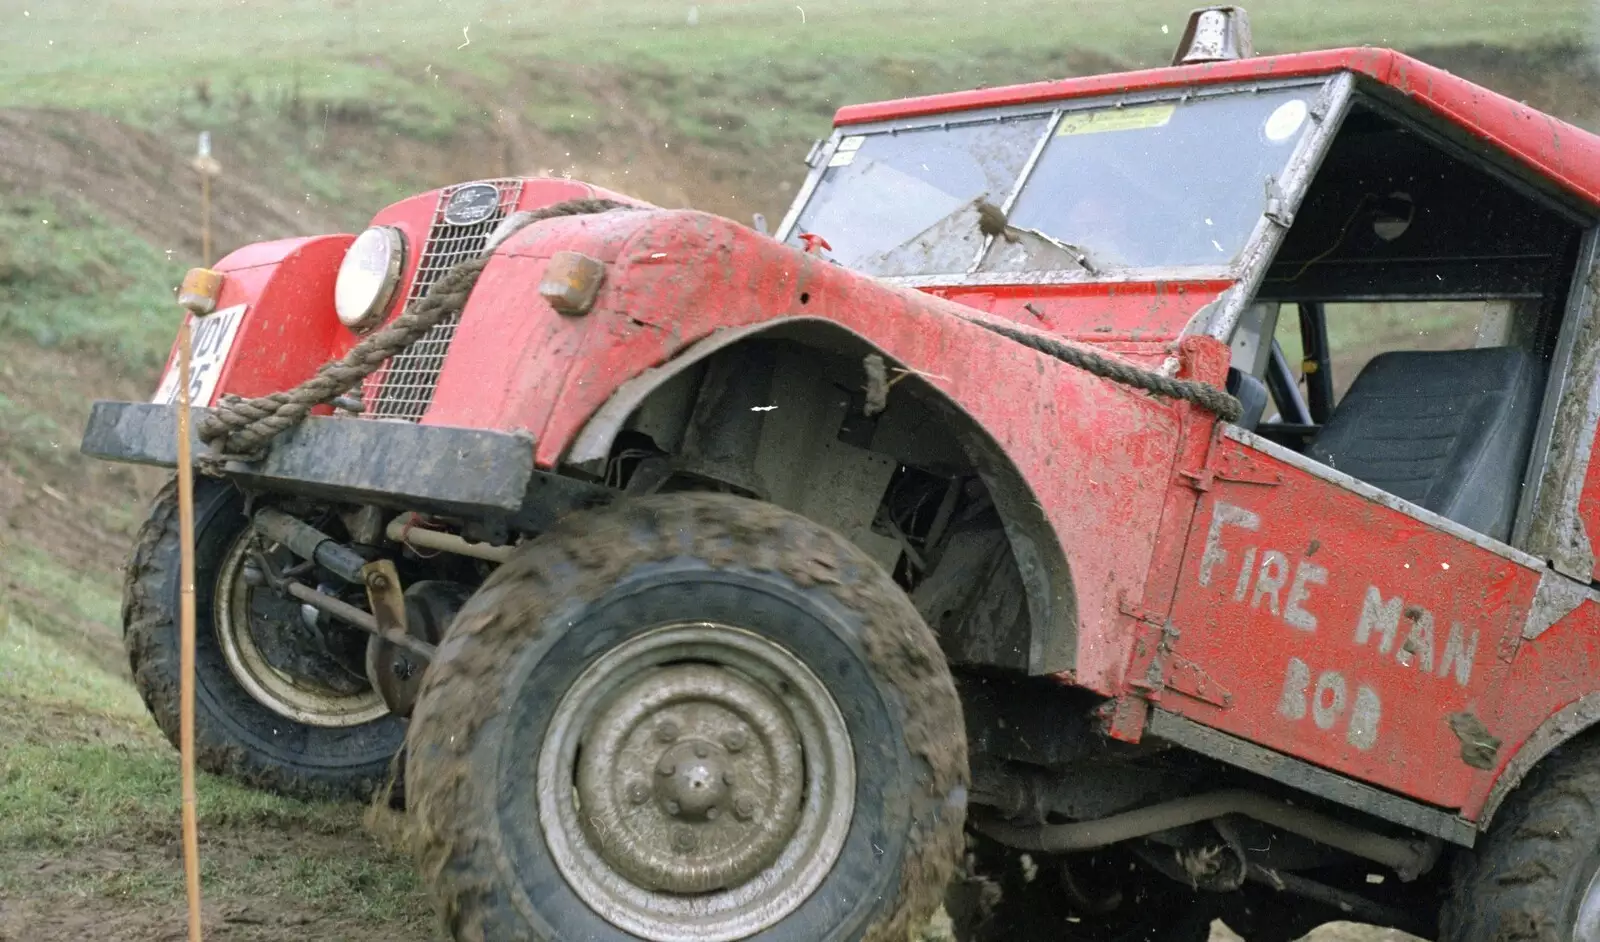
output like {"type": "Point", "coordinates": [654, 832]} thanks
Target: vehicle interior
{"type": "Point", "coordinates": [1458, 275]}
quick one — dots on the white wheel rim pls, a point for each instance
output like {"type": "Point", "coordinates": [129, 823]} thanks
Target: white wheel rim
{"type": "Point", "coordinates": [287, 696]}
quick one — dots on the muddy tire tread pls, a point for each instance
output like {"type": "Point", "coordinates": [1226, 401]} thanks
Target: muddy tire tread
{"type": "Point", "coordinates": [1517, 883]}
{"type": "Point", "coordinates": [149, 635]}
{"type": "Point", "coordinates": [580, 559]}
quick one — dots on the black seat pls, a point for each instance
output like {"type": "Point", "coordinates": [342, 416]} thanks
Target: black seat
{"type": "Point", "coordinates": [1449, 430]}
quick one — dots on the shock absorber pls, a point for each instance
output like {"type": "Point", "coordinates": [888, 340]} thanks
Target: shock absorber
{"type": "Point", "coordinates": [307, 542]}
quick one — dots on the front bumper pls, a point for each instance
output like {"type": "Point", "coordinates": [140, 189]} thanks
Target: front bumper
{"type": "Point", "coordinates": [452, 471]}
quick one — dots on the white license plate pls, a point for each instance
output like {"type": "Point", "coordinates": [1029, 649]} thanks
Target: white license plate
{"type": "Point", "coordinates": [212, 337]}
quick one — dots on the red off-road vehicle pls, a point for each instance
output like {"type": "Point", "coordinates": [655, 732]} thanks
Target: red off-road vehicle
{"type": "Point", "coordinates": [1029, 521]}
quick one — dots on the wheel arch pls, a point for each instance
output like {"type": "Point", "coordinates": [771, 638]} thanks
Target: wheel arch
{"type": "Point", "coordinates": [1041, 562]}
{"type": "Point", "coordinates": [1578, 719]}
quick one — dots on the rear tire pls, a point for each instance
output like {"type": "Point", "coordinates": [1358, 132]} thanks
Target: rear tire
{"type": "Point", "coordinates": [1536, 875]}
{"type": "Point", "coordinates": [236, 734]}
{"type": "Point", "coordinates": [760, 732]}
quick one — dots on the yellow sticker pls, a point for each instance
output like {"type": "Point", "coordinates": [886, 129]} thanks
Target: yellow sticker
{"type": "Point", "coordinates": [1116, 119]}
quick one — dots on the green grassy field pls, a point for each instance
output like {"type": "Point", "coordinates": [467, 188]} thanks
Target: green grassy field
{"type": "Point", "coordinates": [51, 54]}
{"type": "Point", "coordinates": [89, 798]}
{"type": "Point", "coordinates": [743, 68]}
{"type": "Point", "coordinates": [67, 281]}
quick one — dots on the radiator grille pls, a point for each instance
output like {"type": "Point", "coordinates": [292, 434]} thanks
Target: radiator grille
{"type": "Point", "coordinates": [403, 389]}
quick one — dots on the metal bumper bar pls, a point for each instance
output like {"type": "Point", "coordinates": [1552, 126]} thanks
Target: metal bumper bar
{"type": "Point", "coordinates": [453, 471]}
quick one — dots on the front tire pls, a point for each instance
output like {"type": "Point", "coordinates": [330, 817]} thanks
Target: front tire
{"type": "Point", "coordinates": [690, 717]}
{"type": "Point", "coordinates": [260, 726]}
{"type": "Point", "coordinates": [1536, 875]}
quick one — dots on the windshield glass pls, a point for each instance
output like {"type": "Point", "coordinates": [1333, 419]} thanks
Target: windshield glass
{"type": "Point", "coordinates": [880, 191]}
{"type": "Point", "coordinates": [1162, 185]}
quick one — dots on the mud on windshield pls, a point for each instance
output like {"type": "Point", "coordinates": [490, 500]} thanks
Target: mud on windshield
{"type": "Point", "coordinates": [1094, 187]}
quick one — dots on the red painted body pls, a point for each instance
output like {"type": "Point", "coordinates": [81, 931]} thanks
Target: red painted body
{"type": "Point", "coordinates": [289, 287]}
{"type": "Point", "coordinates": [1131, 483]}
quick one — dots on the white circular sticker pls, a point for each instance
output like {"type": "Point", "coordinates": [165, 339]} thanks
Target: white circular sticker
{"type": "Point", "coordinates": [1285, 120]}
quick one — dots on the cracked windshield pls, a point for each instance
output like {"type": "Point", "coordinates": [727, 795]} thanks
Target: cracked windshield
{"type": "Point", "coordinates": [1147, 186]}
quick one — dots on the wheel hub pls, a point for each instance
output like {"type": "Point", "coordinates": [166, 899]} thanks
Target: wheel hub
{"type": "Point", "coordinates": [674, 807]}
{"type": "Point", "coordinates": [696, 781]}
{"type": "Point", "coordinates": [696, 784]}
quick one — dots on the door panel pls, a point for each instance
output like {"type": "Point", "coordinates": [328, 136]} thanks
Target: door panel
{"type": "Point", "coordinates": [1322, 618]}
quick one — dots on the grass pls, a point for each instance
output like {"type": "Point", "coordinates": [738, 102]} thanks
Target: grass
{"type": "Point", "coordinates": [51, 53]}
{"type": "Point", "coordinates": [743, 69]}
{"type": "Point", "coordinates": [68, 281]}
{"type": "Point", "coordinates": [86, 777]}
{"type": "Point", "coordinates": [38, 675]}
{"type": "Point", "coordinates": [37, 436]}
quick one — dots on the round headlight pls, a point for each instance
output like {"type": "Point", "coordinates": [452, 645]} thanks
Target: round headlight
{"type": "Point", "coordinates": [368, 277]}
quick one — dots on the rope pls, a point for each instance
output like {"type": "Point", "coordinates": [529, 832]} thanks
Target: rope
{"type": "Point", "coordinates": [992, 222]}
{"type": "Point", "coordinates": [243, 429]}
{"type": "Point", "coordinates": [1208, 397]}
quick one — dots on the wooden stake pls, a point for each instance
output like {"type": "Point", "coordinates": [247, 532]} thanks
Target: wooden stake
{"type": "Point", "coordinates": [207, 166]}
{"type": "Point", "coordinates": [191, 829]}
{"type": "Point", "coordinates": [205, 218]}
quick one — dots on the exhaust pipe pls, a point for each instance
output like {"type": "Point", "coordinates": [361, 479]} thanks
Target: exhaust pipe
{"type": "Point", "coordinates": [1409, 859]}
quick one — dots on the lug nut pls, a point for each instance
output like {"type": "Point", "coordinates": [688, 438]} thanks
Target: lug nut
{"type": "Point", "coordinates": [667, 732]}
{"type": "Point", "coordinates": [673, 808]}
{"type": "Point", "coordinates": [685, 840]}
{"type": "Point", "coordinates": [744, 807]}
{"type": "Point", "coordinates": [638, 793]}
{"type": "Point", "coordinates": [711, 813]}
{"type": "Point", "coordinates": [701, 750]}
{"type": "Point", "coordinates": [735, 741]}
{"type": "Point", "coordinates": [667, 767]}
{"type": "Point", "coordinates": [727, 777]}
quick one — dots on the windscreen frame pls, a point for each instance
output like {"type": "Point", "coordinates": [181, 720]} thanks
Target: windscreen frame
{"type": "Point", "coordinates": [1305, 153]}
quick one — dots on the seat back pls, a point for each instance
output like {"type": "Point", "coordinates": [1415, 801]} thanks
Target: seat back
{"type": "Point", "coordinates": [1449, 430]}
